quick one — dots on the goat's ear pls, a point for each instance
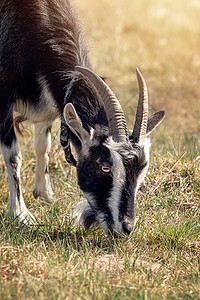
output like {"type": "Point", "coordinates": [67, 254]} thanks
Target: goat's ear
{"type": "Point", "coordinates": [154, 121]}
{"type": "Point", "coordinates": [74, 123]}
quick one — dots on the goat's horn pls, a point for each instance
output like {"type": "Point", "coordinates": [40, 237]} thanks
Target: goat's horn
{"type": "Point", "coordinates": [140, 127]}
{"type": "Point", "coordinates": [115, 114]}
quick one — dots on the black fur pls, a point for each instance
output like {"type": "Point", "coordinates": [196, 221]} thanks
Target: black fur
{"type": "Point", "coordinates": [36, 38]}
{"type": "Point", "coordinates": [89, 107]}
{"type": "Point", "coordinates": [92, 179]}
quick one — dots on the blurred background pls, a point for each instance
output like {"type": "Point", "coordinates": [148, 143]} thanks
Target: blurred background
{"type": "Point", "coordinates": [162, 38]}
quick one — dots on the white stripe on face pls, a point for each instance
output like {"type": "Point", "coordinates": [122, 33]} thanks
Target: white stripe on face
{"type": "Point", "coordinates": [146, 144]}
{"type": "Point", "coordinates": [119, 175]}
{"type": "Point", "coordinates": [119, 180]}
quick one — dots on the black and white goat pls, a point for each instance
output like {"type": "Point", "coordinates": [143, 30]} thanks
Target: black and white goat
{"type": "Point", "coordinates": [41, 45]}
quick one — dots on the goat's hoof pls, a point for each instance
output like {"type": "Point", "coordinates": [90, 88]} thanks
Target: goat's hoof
{"type": "Point", "coordinates": [24, 216]}
{"type": "Point", "coordinates": [45, 196]}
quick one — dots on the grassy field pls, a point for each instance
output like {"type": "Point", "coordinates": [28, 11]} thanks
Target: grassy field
{"type": "Point", "coordinates": [161, 258]}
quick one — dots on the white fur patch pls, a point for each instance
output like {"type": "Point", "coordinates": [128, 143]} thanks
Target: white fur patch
{"type": "Point", "coordinates": [42, 148]}
{"type": "Point", "coordinates": [45, 110]}
{"type": "Point", "coordinates": [118, 181]}
{"type": "Point", "coordinates": [80, 211]}
{"type": "Point", "coordinates": [146, 144]}
{"type": "Point", "coordinates": [17, 205]}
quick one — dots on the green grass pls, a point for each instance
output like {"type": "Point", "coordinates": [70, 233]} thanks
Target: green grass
{"type": "Point", "coordinates": [161, 258]}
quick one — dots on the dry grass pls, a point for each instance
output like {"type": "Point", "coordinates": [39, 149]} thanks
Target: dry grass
{"type": "Point", "coordinates": [161, 38]}
{"type": "Point", "coordinates": [160, 259]}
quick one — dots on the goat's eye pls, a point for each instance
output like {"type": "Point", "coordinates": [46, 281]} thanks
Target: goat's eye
{"type": "Point", "coordinates": [105, 169]}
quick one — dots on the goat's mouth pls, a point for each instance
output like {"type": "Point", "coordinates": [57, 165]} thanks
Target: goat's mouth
{"type": "Point", "coordinates": [110, 230]}
{"type": "Point", "coordinates": [106, 226]}
{"type": "Point", "coordinates": [115, 233]}
{"type": "Point", "coordinates": [90, 217]}
{"type": "Point", "coordinates": [126, 228]}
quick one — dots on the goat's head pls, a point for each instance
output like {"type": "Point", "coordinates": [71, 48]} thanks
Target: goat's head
{"type": "Point", "coordinates": [112, 164]}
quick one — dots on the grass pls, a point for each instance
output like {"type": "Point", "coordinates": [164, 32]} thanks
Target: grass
{"type": "Point", "coordinates": [161, 258]}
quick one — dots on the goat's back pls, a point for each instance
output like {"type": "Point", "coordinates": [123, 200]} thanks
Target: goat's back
{"type": "Point", "coordinates": [38, 37]}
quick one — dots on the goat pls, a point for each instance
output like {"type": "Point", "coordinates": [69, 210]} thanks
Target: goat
{"type": "Point", "coordinates": [45, 73]}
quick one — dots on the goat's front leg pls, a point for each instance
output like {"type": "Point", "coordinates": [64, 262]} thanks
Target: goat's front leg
{"type": "Point", "coordinates": [42, 148]}
{"type": "Point", "coordinates": [13, 160]}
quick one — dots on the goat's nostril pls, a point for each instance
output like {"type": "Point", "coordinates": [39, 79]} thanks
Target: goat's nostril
{"type": "Point", "coordinates": [127, 227]}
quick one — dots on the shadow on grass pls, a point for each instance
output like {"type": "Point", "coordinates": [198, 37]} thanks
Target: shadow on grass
{"type": "Point", "coordinates": [51, 233]}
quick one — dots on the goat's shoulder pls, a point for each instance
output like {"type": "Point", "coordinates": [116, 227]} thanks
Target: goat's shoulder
{"type": "Point", "coordinates": [41, 109]}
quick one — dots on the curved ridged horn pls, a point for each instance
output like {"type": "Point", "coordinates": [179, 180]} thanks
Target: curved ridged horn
{"type": "Point", "coordinates": [140, 127]}
{"type": "Point", "coordinates": [116, 120]}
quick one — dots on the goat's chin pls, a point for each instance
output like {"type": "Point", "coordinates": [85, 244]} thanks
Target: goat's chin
{"type": "Point", "coordinates": [89, 219]}
{"type": "Point", "coordinates": [84, 215]}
